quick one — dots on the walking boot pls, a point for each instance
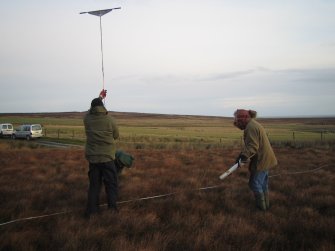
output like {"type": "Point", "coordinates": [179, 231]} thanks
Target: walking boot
{"type": "Point", "coordinates": [260, 201]}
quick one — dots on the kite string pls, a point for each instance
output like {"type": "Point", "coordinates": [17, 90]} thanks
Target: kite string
{"type": "Point", "coordinates": [102, 57]}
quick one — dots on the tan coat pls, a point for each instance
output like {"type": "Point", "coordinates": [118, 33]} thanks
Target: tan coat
{"type": "Point", "coordinates": [257, 147]}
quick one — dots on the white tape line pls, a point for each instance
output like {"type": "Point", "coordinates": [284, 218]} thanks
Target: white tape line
{"type": "Point", "coordinates": [153, 197]}
{"type": "Point", "coordinates": [34, 217]}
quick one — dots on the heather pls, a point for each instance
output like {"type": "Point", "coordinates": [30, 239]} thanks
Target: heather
{"type": "Point", "coordinates": [40, 181]}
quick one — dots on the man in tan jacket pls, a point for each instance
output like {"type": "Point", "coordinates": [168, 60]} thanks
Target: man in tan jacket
{"type": "Point", "coordinates": [258, 152]}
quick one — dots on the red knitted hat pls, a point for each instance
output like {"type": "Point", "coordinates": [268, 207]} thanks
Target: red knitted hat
{"type": "Point", "coordinates": [242, 114]}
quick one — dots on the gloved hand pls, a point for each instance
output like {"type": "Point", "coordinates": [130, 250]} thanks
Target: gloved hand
{"type": "Point", "coordinates": [241, 160]}
{"type": "Point", "coordinates": [103, 94]}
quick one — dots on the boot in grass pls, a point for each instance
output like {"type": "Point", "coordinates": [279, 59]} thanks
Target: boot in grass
{"type": "Point", "coordinates": [267, 200]}
{"type": "Point", "coordinates": [260, 201]}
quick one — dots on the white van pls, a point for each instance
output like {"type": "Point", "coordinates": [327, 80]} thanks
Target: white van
{"type": "Point", "coordinates": [6, 130]}
{"type": "Point", "coordinates": [28, 132]}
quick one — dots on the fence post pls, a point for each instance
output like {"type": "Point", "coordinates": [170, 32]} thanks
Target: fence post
{"type": "Point", "coordinates": [321, 136]}
{"type": "Point", "coordinates": [45, 132]}
{"type": "Point", "coordinates": [293, 135]}
{"type": "Point", "coordinates": [58, 133]}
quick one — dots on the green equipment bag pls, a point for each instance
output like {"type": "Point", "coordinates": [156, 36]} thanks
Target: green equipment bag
{"type": "Point", "coordinates": [123, 159]}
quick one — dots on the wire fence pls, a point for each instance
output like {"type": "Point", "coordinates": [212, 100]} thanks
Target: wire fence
{"type": "Point", "coordinates": [141, 141]}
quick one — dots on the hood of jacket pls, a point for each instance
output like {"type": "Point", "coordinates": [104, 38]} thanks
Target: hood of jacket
{"type": "Point", "coordinates": [98, 110]}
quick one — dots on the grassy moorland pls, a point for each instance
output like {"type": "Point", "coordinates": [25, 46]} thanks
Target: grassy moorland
{"type": "Point", "coordinates": [171, 131]}
{"type": "Point", "coordinates": [37, 181]}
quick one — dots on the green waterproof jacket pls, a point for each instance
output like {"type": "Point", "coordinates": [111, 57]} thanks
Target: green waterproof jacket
{"type": "Point", "coordinates": [101, 133]}
{"type": "Point", "coordinates": [257, 147]}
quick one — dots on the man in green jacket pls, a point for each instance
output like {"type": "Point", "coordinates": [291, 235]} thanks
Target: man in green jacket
{"type": "Point", "coordinates": [101, 133]}
{"type": "Point", "coordinates": [258, 152]}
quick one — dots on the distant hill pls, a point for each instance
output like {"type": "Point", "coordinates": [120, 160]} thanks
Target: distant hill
{"type": "Point", "coordinates": [136, 115]}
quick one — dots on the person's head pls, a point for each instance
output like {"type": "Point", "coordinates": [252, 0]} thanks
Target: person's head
{"type": "Point", "coordinates": [96, 102]}
{"type": "Point", "coordinates": [242, 117]}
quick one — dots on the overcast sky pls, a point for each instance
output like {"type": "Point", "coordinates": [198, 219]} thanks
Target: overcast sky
{"type": "Point", "coordinates": [174, 57]}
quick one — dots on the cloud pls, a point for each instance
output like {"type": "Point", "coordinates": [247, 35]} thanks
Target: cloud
{"type": "Point", "coordinates": [292, 91]}
{"type": "Point", "coordinates": [169, 56]}
{"type": "Point", "coordinates": [228, 75]}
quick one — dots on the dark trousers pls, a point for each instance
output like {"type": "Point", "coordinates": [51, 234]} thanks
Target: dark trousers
{"type": "Point", "coordinates": [98, 173]}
